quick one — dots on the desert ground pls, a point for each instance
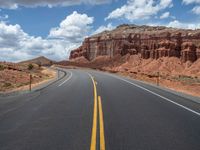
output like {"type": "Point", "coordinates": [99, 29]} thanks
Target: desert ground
{"type": "Point", "coordinates": [16, 76]}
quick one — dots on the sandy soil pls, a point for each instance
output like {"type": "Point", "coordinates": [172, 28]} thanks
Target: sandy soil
{"type": "Point", "coordinates": [188, 86]}
{"type": "Point", "coordinates": [52, 74]}
{"type": "Point", "coordinates": [14, 79]}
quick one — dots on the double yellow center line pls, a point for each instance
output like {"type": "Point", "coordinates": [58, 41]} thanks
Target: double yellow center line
{"type": "Point", "coordinates": [97, 110]}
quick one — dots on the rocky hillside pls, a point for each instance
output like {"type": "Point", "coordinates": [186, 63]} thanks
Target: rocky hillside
{"type": "Point", "coordinates": [16, 76]}
{"type": "Point", "coordinates": [42, 61]}
{"type": "Point", "coordinates": [145, 53]}
{"type": "Point", "coordinates": [150, 42]}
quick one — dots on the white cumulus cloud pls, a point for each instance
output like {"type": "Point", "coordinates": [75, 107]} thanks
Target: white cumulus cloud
{"type": "Point", "coordinates": [104, 28]}
{"type": "Point", "coordinates": [16, 45]}
{"type": "Point", "coordinates": [190, 1]}
{"type": "Point", "coordinates": [13, 4]}
{"type": "Point", "coordinates": [165, 15]}
{"type": "Point", "coordinates": [140, 9]}
{"type": "Point", "coordinates": [178, 24]}
{"type": "Point", "coordinates": [74, 28]}
{"type": "Point", "coordinates": [196, 10]}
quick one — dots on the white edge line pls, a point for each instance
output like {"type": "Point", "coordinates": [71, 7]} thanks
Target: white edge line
{"type": "Point", "coordinates": [197, 113]}
{"type": "Point", "coordinates": [66, 79]}
{"type": "Point", "coordinates": [90, 75]}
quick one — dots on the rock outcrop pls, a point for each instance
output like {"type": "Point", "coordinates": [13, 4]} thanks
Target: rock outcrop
{"type": "Point", "coordinates": [150, 42]}
{"type": "Point", "coordinates": [188, 52]}
{"type": "Point", "coordinates": [198, 52]}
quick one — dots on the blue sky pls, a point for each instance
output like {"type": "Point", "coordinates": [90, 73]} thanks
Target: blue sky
{"type": "Point", "coordinates": [52, 28]}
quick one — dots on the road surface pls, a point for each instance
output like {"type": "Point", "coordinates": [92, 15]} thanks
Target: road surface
{"type": "Point", "coordinates": [91, 110]}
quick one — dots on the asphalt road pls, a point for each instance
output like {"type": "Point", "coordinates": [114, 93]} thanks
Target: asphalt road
{"type": "Point", "coordinates": [90, 110]}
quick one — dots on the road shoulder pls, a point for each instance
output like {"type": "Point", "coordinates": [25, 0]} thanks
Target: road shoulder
{"type": "Point", "coordinates": [59, 74]}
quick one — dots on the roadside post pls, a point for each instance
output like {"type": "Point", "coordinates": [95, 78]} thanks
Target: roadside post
{"type": "Point", "coordinates": [158, 73]}
{"type": "Point", "coordinates": [58, 73]}
{"type": "Point", "coordinates": [30, 88]}
{"type": "Point", "coordinates": [158, 78]}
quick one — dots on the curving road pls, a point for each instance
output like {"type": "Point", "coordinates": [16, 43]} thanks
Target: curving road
{"type": "Point", "coordinates": [91, 110]}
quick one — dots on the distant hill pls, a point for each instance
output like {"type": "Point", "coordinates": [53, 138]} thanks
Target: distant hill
{"type": "Point", "coordinates": [43, 61]}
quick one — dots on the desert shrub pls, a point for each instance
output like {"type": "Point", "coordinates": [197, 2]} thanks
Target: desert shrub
{"type": "Point", "coordinates": [30, 66]}
{"type": "Point", "coordinates": [7, 84]}
{"type": "Point", "coordinates": [2, 67]}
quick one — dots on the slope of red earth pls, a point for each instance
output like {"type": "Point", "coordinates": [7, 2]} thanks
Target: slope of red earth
{"type": "Point", "coordinates": [14, 76]}
{"type": "Point", "coordinates": [183, 77]}
{"type": "Point", "coordinates": [173, 73]}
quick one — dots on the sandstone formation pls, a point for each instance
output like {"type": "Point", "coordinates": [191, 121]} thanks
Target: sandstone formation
{"type": "Point", "coordinates": [150, 42]}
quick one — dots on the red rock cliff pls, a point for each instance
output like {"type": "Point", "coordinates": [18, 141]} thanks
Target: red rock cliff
{"type": "Point", "coordinates": [150, 42]}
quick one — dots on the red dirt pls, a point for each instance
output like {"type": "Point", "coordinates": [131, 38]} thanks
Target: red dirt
{"type": "Point", "coordinates": [174, 74]}
{"type": "Point", "coordinates": [13, 76]}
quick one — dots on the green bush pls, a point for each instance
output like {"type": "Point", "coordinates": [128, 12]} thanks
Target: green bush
{"type": "Point", "coordinates": [30, 66]}
{"type": "Point", "coordinates": [2, 67]}
{"type": "Point", "coordinates": [7, 84]}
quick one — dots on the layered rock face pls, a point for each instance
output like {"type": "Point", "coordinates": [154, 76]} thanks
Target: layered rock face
{"type": "Point", "coordinates": [150, 42]}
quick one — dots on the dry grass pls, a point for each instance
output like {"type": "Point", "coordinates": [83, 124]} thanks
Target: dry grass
{"type": "Point", "coordinates": [15, 76]}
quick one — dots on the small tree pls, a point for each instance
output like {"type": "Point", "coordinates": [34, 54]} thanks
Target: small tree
{"type": "Point", "coordinates": [30, 66]}
{"type": "Point", "coordinates": [2, 67]}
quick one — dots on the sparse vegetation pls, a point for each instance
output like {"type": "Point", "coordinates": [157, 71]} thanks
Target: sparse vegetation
{"type": "Point", "coordinates": [2, 67]}
{"type": "Point", "coordinates": [16, 75]}
{"type": "Point", "coordinates": [30, 66]}
{"type": "Point", "coordinates": [7, 84]}
{"type": "Point", "coordinates": [187, 79]}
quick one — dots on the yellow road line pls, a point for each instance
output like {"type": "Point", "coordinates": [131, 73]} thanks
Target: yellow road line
{"type": "Point", "coordinates": [94, 127]}
{"type": "Point", "coordinates": [101, 125]}
{"type": "Point", "coordinates": [101, 122]}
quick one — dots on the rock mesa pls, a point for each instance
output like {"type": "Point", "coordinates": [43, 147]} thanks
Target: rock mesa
{"type": "Point", "coordinates": [149, 42]}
